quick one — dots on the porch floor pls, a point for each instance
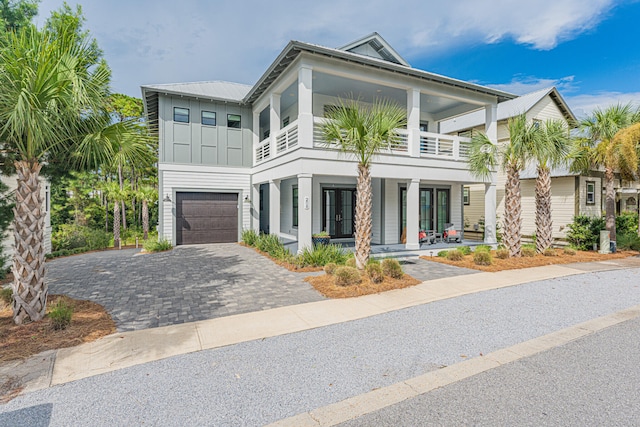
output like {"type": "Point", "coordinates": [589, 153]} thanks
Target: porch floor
{"type": "Point", "coordinates": [395, 250]}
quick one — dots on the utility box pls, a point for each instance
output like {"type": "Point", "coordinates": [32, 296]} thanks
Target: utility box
{"type": "Point", "coordinates": [604, 242]}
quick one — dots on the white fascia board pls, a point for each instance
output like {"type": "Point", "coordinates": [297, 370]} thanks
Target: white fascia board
{"type": "Point", "coordinates": [181, 167]}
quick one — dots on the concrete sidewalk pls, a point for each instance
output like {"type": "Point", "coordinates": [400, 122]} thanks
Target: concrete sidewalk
{"type": "Point", "coordinates": [126, 349]}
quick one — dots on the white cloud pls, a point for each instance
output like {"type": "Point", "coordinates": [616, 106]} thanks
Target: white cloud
{"type": "Point", "coordinates": [583, 105]}
{"type": "Point", "coordinates": [159, 41]}
{"type": "Point", "coordinates": [521, 85]}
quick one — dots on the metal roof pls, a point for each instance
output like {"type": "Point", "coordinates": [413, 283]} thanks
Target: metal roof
{"type": "Point", "coordinates": [214, 90]}
{"type": "Point", "coordinates": [380, 45]}
{"type": "Point", "coordinates": [508, 109]}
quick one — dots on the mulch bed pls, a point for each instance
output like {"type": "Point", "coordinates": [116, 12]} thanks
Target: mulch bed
{"type": "Point", "coordinates": [536, 261]}
{"type": "Point", "coordinates": [287, 265]}
{"type": "Point", "coordinates": [89, 322]}
{"type": "Point", "coordinates": [326, 286]}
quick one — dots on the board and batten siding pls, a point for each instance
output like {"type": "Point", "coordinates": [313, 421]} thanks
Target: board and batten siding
{"type": "Point", "coordinates": [216, 180]}
{"type": "Point", "coordinates": [596, 208]}
{"type": "Point", "coordinates": [194, 143]}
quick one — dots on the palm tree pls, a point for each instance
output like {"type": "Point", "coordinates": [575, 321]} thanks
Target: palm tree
{"type": "Point", "coordinates": [146, 194]}
{"type": "Point", "coordinates": [362, 131]}
{"type": "Point", "coordinates": [550, 149]}
{"type": "Point", "coordinates": [628, 137]}
{"type": "Point", "coordinates": [49, 91]}
{"type": "Point", "coordinates": [117, 196]}
{"type": "Point", "coordinates": [599, 149]}
{"type": "Point", "coordinates": [485, 157]}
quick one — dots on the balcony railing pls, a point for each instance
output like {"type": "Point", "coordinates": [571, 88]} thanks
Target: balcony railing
{"type": "Point", "coordinates": [287, 138]}
{"type": "Point", "coordinates": [438, 145]}
{"type": "Point", "coordinates": [399, 144]}
{"type": "Point", "coordinates": [263, 150]}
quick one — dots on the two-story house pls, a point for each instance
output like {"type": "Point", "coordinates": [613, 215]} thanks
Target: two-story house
{"type": "Point", "coordinates": [234, 157]}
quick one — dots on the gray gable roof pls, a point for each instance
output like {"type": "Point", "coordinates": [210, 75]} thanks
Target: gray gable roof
{"type": "Point", "coordinates": [214, 90]}
{"type": "Point", "coordinates": [508, 109]}
{"type": "Point", "coordinates": [375, 46]}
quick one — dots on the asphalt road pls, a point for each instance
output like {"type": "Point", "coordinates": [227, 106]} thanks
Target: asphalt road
{"type": "Point", "coordinates": [262, 381]}
{"type": "Point", "coordinates": [594, 381]}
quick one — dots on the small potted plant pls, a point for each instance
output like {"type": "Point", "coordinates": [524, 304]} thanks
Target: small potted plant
{"type": "Point", "coordinates": [321, 238]}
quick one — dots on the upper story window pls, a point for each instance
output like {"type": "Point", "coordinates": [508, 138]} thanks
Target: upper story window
{"type": "Point", "coordinates": [208, 118]}
{"type": "Point", "coordinates": [591, 192]}
{"type": "Point", "coordinates": [424, 126]}
{"type": "Point", "coordinates": [285, 122]}
{"type": "Point", "coordinates": [466, 198]}
{"type": "Point", "coordinates": [466, 133]}
{"type": "Point", "coordinates": [233, 121]}
{"type": "Point", "coordinates": [180, 115]}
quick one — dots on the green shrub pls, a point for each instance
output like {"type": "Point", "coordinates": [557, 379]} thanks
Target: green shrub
{"type": "Point", "coordinates": [71, 236]}
{"type": "Point", "coordinates": [530, 246]}
{"type": "Point", "coordinates": [550, 252]}
{"type": "Point", "coordinates": [249, 237]}
{"type": "Point", "coordinates": [629, 241]}
{"type": "Point", "coordinates": [482, 248]}
{"type": "Point", "coordinates": [60, 314]}
{"type": "Point", "coordinates": [502, 253]}
{"type": "Point", "coordinates": [271, 244]}
{"type": "Point", "coordinates": [466, 250]}
{"type": "Point", "coordinates": [482, 258]}
{"type": "Point", "coordinates": [568, 250]}
{"type": "Point", "coordinates": [528, 251]}
{"type": "Point", "coordinates": [584, 231]}
{"type": "Point", "coordinates": [455, 255]}
{"type": "Point", "coordinates": [347, 276]}
{"type": "Point", "coordinates": [330, 268]}
{"type": "Point", "coordinates": [351, 262]}
{"type": "Point", "coordinates": [373, 261]}
{"type": "Point", "coordinates": [375, 273]}
{"type": "Point", "coordinates": [6, 295]}
{"type": "Point", "coordinates": [157, 245]}
{"type": "Point", "coordinates": [627, 223]}
{"type": "Point", "coordinates": [391, 267]}
{"type": "Point", "coordinates": [443, 254]}
{"type": "Point", "coordinates": [320, 255]}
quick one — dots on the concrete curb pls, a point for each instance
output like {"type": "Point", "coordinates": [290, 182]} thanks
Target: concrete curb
{"type": "Point", "coordinates": [357, 406]}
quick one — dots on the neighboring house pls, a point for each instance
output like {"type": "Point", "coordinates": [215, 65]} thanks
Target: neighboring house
{"type": "Point", "coordinates": [572, 194]}
{"type": "Point", "coordinates": [234, 157]}
{"type": "Point", "coordinates": [7, 241]}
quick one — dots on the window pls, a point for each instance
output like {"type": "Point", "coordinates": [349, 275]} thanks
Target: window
{"type": "Point", "coordinates": [466, 198]}
{"type": "Point", "coordinates": [285, 122]}
{"type": "Point", "coordinates": [208, 118]}
{"type": "Point", "coordinates": [591, 192]}
{"type": "Point", "coordinates": [466, 133]}
{"type": "Point", "coordinates": [233, 121]}
{"type": "Point", "coordinates": [180, 115]}
{"type": "Point", "coordinates": [266, 134]}
{"type": "Point", "coordinates": [424, 126]}
{"type": "Point", "coordinates": [295, 206]}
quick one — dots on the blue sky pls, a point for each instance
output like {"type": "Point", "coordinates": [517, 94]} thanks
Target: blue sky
{"type": "Point", "coordinates": [586, 48]}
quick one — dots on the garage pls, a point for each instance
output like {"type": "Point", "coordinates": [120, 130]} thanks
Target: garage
{"type": "Point", "coordinates": [203, 217]}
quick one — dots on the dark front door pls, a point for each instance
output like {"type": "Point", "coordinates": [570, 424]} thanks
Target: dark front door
{"type": "Point", "coordinates": [203, 217]}
{"type": "Point", "coordinates": [338, 211]}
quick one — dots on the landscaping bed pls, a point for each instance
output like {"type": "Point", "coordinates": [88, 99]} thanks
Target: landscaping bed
{"type": "Point", "coordinates": [535, 261]}
{"type": "Point", "coordinates": [325, 284]}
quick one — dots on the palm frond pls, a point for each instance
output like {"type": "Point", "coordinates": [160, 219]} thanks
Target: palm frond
{"type": "Point", "coordinates": [483, 156]}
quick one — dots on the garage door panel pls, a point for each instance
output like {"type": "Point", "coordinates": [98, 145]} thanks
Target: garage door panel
{"type": "Point", "coordinates": [206, 218]}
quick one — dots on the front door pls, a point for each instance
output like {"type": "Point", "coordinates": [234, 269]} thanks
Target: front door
{"type": "Point", "coordinates": [338, 211]}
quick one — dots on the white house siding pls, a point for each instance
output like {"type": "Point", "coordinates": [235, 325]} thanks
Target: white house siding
{"type": "Point", "coordinates": [378, 211]}
{"type": "Point", "coordinates": [562, 204]}
{"type": "Point", "coordinates": [392, 211]}
{"type": "Point", "coordinates": [7, 242]}
{"type": "Point", "coordinates": [595, 209]}
{"type": "Point", "coordinates": [178, 178]}
{"type": "Point", "coordinates": [545, 109]}
{"type": "Point", "coordinates": [286, 206]}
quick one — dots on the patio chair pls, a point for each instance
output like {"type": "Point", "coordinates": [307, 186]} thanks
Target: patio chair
{"type": "Point", "coordinates": [428, 236]}
{"type": "Point", "coordinates": [451, 234]}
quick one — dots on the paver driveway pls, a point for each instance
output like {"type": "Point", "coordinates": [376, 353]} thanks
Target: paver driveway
{"type": "Point", "coordinates": [186, 284]}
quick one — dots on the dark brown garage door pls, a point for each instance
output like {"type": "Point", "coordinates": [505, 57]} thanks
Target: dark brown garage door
{"type": "Point", "coordinates": [206, 218]}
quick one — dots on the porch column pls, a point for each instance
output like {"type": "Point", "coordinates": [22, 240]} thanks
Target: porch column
{"type": "Point", "coordinates": [305, 106]}
{"type": "Point", "coordinates": [413, 122]}
{"type": "Point", "coordinates": [255, 207]}
{"type": "Point", "coordinates": [413, 209]}
{"type": "Point", "coordinates": [274, 207]}
{"type": "Point", "coordinates": [491, 122]}
{"type": "Point", "coordinates": [274, 122]}
{"type": "Point", "coordinates": [304, 211]}
{"type": "Point", "coordinates": [490, 214]}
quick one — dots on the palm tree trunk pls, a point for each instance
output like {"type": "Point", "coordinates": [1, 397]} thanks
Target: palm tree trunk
{"type": "Point", "coordinates": [610, 203]}
{"type": "Point", "coordinates": [363, 217]}
{"type": "Point", "coordinates": [124, 209]}
{"type": "Point", "coordinates": [29, 287]}
{"type": "Point", "coordinates": [116, 224]}
{"type": "Point", "coordinates": [145, 219]}
{"type": "Point", "coordinates": [544, 224]}
{"type": "Point", "coordinates": [512, 214]}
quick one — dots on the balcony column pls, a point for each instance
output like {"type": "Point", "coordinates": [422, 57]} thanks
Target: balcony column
{"type": "Point", "coordinates": [256, 134]}
{"type": "Point", "coordinates": [413, 217]}
{"type": "Point", "coordinates": [274, 207]}
{"type": "Point", "coordinates": [491, 130]}
{"type": "Point", "coordinates": [413, 122]}
{"type": "Point", "coordinates": [305, 106]}
{"type": "Point", "coordinates": [304, 211]}
{"type": "Point", "coordinates": [274, 121]}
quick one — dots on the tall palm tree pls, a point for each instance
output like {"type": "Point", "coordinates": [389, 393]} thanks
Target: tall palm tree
{"type": "Point", "coordinates": [49, 92]}
{"type": "Point", "coordinates": [511, 157]}
{"type": "Point", "coordinates": [628, 137]}
{"type": "Point", "coordinates": [117, 196]}
{"type": "Point", "coordinates": [550, 149]}
{"type": "Point", "coordinates": [599, 149]}
{"type": "Point", "coordinates": [362, 131]}
{"type": "Point", "coordinates": [146, 194]}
